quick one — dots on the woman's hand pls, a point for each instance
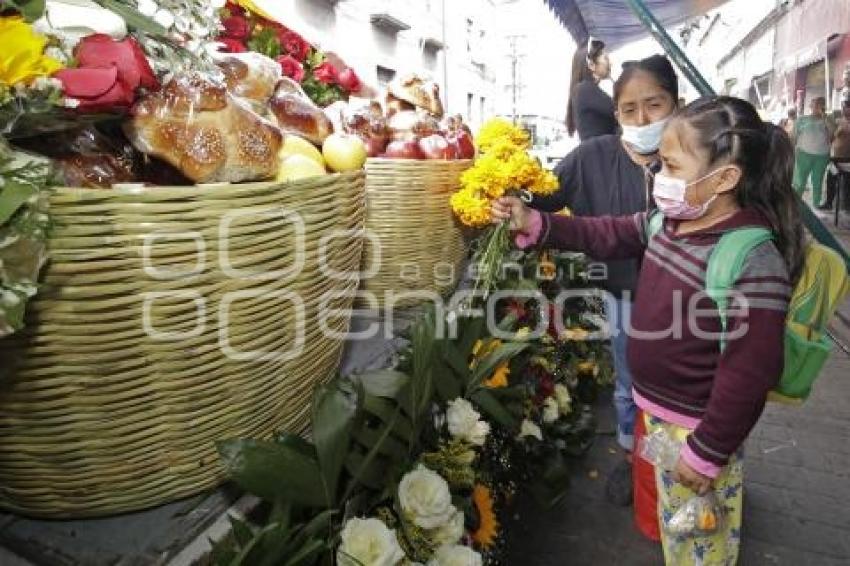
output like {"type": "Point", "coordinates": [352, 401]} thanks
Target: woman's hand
{"type": "Point", "coordinates": [691, 479]}
{"type": "Point", "coordinates": [513, 209]}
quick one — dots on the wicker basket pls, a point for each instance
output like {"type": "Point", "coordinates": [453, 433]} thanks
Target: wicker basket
{"type": "Point", "coordinates": [422, 245]}
{"type": "Point", "coordinates": [161, 328]}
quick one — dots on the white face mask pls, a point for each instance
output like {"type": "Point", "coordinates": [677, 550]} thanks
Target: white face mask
{"type": "Point", "coordinates": [644, 139]}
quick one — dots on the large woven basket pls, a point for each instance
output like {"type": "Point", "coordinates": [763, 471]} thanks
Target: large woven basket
{"type": "Point", "coordinates": [128, 372]}
{"type": "Point", "coordinates": [415, 247]}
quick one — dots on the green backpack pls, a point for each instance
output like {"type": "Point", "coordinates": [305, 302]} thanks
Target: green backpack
{"type": "Point", "coordinates": [820, 290]}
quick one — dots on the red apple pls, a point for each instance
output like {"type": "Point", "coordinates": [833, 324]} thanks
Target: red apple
{"type": "Point", "coordinates": [404, 150]}
{"type": "Point", "coordinates": [436, 147]}
{"type": "Point", "coordinates": [375, 145]}
{"type": "Point", "coordinates": [461, 143]}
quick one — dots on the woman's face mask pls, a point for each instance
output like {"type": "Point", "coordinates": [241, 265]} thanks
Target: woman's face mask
{"type": "Point", "coordinates": [644, 139]}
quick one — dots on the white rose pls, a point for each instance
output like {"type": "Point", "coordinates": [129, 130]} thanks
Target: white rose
{"type": "Point", "coordinates": [562, 396]}
{"type": "Point", "coordinates": [528, 428]}
{"type": "Point", "coordinates": [451, 532]}
{"type": "Point", "coordinates": [550, 410]}
{"type": "Point", "coordinates": [465, 422]}
{"type": "Point", "coordinates": [425, 498]}
{"type": "Point", "coordinates": [147, 7]}
{"type": "Point", "coordinates": [164, 18]}
{"type": "Point", "coordinates": [368, 542]}
{"type": "Point", "coordinates": [455, 556]}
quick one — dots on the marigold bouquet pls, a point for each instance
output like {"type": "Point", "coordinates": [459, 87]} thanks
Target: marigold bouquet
{"type": "Point", "coordinates": [503, 167]}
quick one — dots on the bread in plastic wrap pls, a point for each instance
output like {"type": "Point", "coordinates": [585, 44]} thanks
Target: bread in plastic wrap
{"type": "Point", "coordinates": [210, 135]}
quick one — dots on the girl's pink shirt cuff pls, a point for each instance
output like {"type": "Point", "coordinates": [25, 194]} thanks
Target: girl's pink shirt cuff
{"type": "Point", "coordinates": [531, 237]}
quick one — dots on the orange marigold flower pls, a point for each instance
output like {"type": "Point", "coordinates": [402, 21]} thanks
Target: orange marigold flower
{"type": "Point", "coordinates": [488, 523]}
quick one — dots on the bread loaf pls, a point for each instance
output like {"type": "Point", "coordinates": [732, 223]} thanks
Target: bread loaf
{"type": "Point", "coordinates": [296, 114]}
{"type": "Point", "coordinates": [194, 124]}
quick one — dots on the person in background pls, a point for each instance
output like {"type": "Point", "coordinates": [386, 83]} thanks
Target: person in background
{"type": "Point", "coordinates": [812, 137]}
{"type": "Point", "coordinates": [612, 175]}
{"type": "Point", "coordinates": [789, 122]}
{"type": "Point", "coordinates": [840, 152]}
{"type": "Point", "coordinates": [590, 111]}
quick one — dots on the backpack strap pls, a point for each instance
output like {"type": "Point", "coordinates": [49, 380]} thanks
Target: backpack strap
{"type": "Point", "coordinates": [726, 264]}
{"type": "Point", "coordinates": [654, 224]}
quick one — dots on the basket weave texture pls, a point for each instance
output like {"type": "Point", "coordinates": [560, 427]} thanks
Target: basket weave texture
{"type": "Point", "coordinates": [415, 245]}
{"type": "Point", "coordinates": [168, 320]}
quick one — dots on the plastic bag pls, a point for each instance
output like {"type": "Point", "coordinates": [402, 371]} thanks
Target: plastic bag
{"type": "Point", "coordinates": [660, 450]}
{"type": "Point", "coordinates": [90, 156]}
{"type": "Point", "coordinates": [699, 516]}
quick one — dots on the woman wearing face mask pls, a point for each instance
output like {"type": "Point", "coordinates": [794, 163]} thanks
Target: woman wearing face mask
{"type": "Point", "coordinates": [590, 110]}
{"type": "Point", "coordinates": [612, 175]}
{"type": "Point", "coordinates": [723, 169]}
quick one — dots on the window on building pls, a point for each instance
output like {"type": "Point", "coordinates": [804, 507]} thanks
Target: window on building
{"type": "Point", "coordinates": [469, 98]}
{"type": "Point", "coordinates": [385, 76]}
{"type": "Point", "coordinates": [469, 27]}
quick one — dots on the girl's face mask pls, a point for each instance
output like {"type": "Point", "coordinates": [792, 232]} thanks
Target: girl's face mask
{"type": "Point", "coordinates": [644, 139]}
{"type": "Point", "coordinates": [669, 193]}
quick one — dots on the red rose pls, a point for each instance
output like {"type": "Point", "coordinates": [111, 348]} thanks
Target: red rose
{"type": "Point", "coordinates": [325, 73]}
{"type": "Point", "coordinates": [349, 80]}
{"type": "Point", "coordinates": [291, 68]}
{"type": "Point", "coordinates": [295, 45]}
{"type": "Point", "coordinates": [234, 9]}
{"type": "Point", "coordinates": [236, 27]}
{"type": "Point", "coordinates": [231, 45]}
{"type": "Point", "coordinates": [108, 73]}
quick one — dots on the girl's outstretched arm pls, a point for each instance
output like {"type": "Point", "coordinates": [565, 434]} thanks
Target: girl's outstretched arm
{"type": "Point", "coordinates": [603, 237]}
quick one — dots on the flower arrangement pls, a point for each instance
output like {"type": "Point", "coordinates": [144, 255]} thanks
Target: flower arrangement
{"type": "Point", "coordinates": [417, 464]}
{"type": "Point", "coordinates": [503, 167]}
{"type": "Point", "coordinates": [245, 28]}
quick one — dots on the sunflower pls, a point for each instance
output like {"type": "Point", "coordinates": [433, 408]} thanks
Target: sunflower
{"type": "Point", "coordinates": [546, 268]}
{"type": "Point", "coordinates": [488, 524]}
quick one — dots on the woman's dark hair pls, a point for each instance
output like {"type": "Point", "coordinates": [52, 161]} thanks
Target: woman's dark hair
{"type": "Point", "coordinates": [581, 72]}
{"type": "Point", "coordinates": [658, 66]}
{"type": "Point", "coordinates": [731, 129]}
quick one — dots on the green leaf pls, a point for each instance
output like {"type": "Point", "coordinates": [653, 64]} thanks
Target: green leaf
{"type": "Point", "coordinates": [245, 558]}
{"type": "Point", "coordinates": [297, 443]}
{"type": "Point", "coordinates": [273, 472]}
{"type": "Point", "coordinates": [12, 197]}
{"type": "Point", "coordinates": [485, 368]}
{"type": "Point", "coordinates": [242, 533]}
{"type": "Point", "coordinates": [384, 383]}
{"type": "Point", "coordinates": [307, 555]}
{"type": "Point", "coordinates": [31, 10]}
{"type": "Point", "coordinates": [360, 469]}
{"type": "Point", "coordinates": [390, 414]}
{"type": "Point", "coordinates": [490, 405]}
{"type": "Point", "coordinates": [133, 17]}
{"type": "Point", "coordinates": [388, 445]}
{"type": "Point", "coordinates": [336, 407]}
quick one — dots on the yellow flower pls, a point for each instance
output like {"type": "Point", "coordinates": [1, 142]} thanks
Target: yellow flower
{"type": "Point", "coordinates": [501, 131]}
{"type": "Point", "coordinates": [488, 524]}
{"type": "Point", "coordinates": [577, 334]}
{"type": "Point", "coordinates": [22, 57]}
{"type": "Point", "coordinates": [545, 183]}
{"type": "Point", "coordinates": [470, 208]}
{"type": "Point", "coordinates": [499, 378]}
{"type": "Point", "coordinates": [590, 368]}
{"type": "Point", "coordinates": [564, 212]}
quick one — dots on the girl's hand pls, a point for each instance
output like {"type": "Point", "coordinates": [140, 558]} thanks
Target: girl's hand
{"type": "Point", "coordinates": [513, 209]}
{"type": "Point", "coordinates": [691, 479]}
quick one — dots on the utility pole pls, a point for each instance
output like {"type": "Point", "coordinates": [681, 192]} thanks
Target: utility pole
{"type": "Point", "coordinates": [516, 88]}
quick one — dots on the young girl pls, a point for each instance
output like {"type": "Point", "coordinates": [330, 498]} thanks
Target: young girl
{"type": "Point", "coordinates": [723, 168]}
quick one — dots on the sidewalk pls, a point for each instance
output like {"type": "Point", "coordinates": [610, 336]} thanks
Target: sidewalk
{"type": "Point", "coordinates": [797, 489]}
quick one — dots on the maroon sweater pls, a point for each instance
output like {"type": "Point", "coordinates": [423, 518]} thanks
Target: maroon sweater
{"type": "Point", "coordinates": [680, 368]}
